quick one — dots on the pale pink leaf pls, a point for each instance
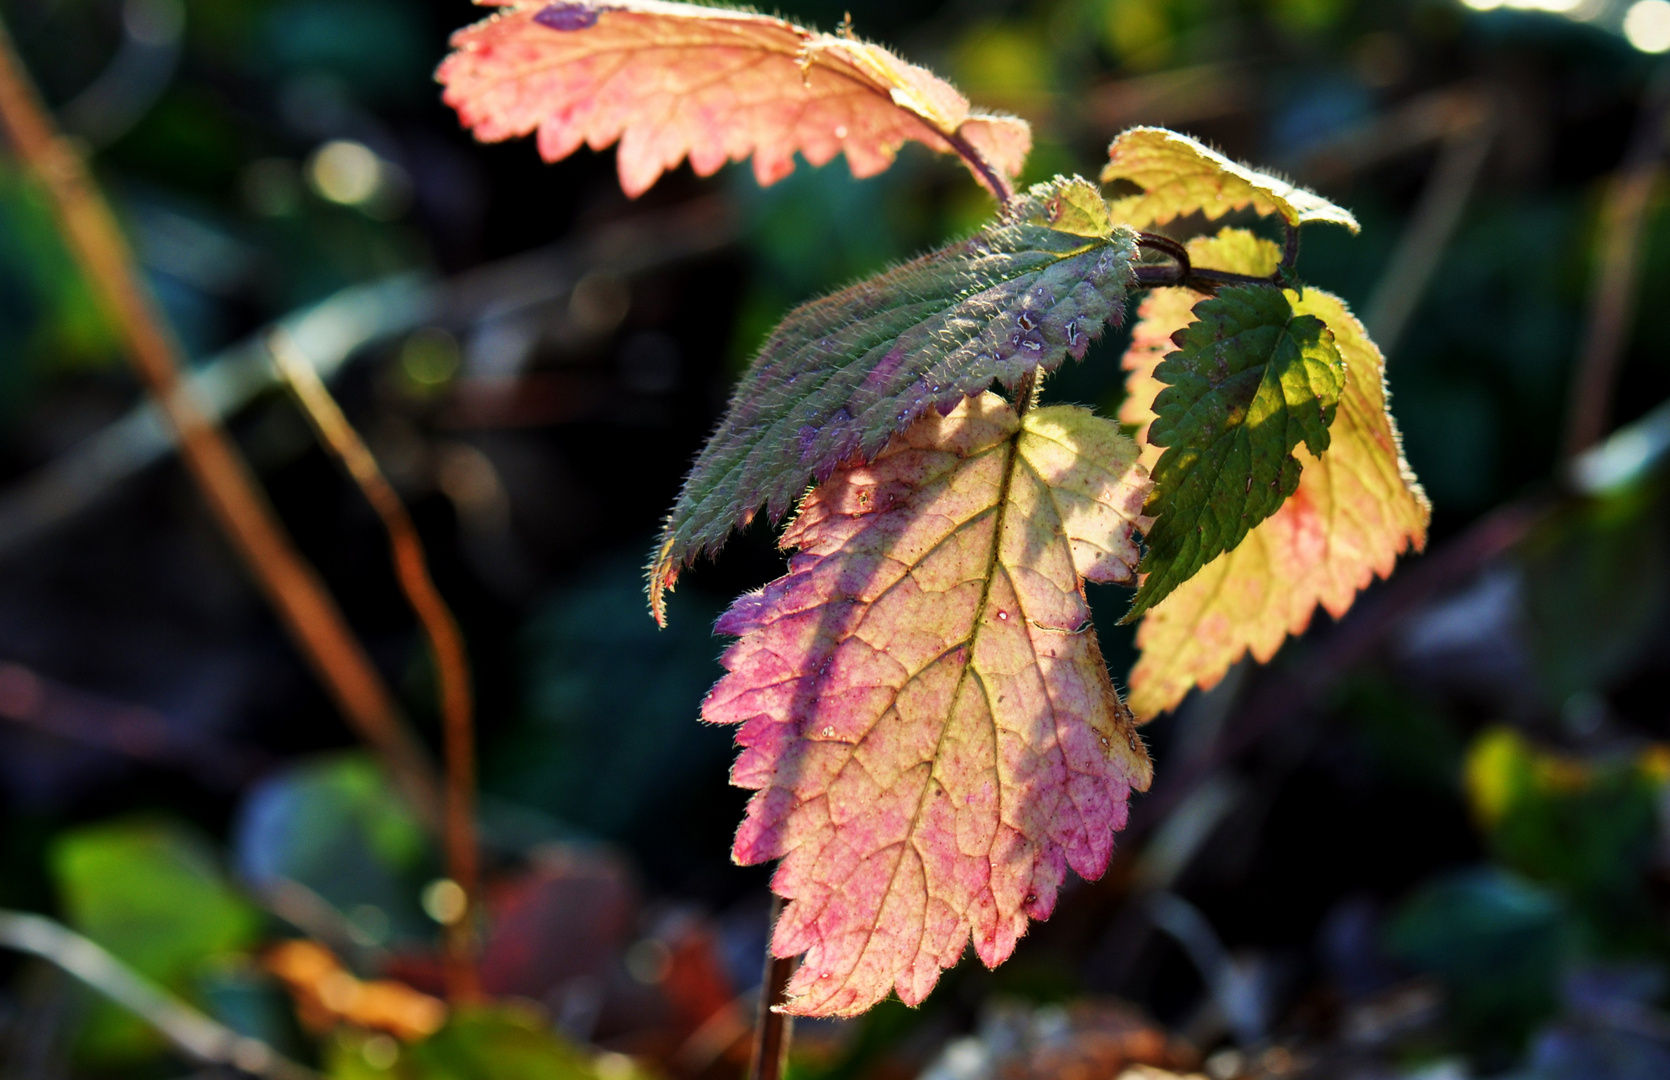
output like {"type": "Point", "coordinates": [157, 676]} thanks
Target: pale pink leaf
{"type": "Point", "coordinates": [923, 710]}
{"type": "Point", "coordinates": [670, 81]}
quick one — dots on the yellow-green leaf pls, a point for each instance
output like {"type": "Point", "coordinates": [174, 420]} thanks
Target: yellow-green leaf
{"type": "Point", "coordinates": [1179, 175]}
{"type": "Point", "coordinates": [1250, 382]}
{"type": "Point", "coordinates": [1357, 507]}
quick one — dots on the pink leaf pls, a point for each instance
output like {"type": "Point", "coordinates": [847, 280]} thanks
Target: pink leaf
{"type": "Point", "coordinates": [925, 716]}
{"type": "Point", "coordinates": [671, 81]}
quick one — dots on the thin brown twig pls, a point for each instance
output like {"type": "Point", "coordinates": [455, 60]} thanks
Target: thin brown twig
{"type": "Point", "coordinates": [1414, 263]}
{"type": "Point", "coordinates": [1180, 271]}
{"type": "Point", "coordinates": [775, 1028]}
{"type": "Point", "coordinates": [291, 585]}
{"type": "Point", "coordinates": [446, 642]}
{"type": "Point", "coordinates": [189, 1031]}
{"type": "Point", "coordinates": [1613, 299]}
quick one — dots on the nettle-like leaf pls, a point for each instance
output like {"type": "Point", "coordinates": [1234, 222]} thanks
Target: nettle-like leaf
{"type": "Point", "coordinates": [673, 80]}
{"type": "Point", "coordinates": [843, 374]}
{"type": "Point", "coordinates": [1357, 507]}
{"type": "Point", "coordinates": [925, 715]}
{"type": "Point", "coordinates": [1251, 380]}
{"type": "Point", "coordinates": [1179, 175]}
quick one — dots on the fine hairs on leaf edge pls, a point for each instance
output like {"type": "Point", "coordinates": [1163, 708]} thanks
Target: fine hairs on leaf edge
{"type": "Point", "coordinates": [1075, 287]}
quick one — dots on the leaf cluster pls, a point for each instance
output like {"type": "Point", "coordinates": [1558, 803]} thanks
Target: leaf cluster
{"type": "Point", "coordinates": [924, 714]}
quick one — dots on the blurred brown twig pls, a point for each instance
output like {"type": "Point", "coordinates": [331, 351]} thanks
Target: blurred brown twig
{"type": "Point", "coordinates": [446, 644]}
{"type": "Point", "coordinates": [774, 1028]}
{"type": "Point", "coordinates": [197, 1036]}
{"type": "Point", "coordinates": [1613, 299]}
{"type": "Point", "coordinates": [291, 585]}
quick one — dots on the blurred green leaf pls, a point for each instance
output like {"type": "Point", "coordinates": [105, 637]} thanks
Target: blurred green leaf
{"type": "Point", "coordinates": [153, 894]}
{"type": "Point", "coordinates": [1498, 943]}
{"type": "Point", "coordinates": [502, 1042]}
{"type": "Point", "coordinates": [1588, 828]}
{"type": "Point", "coordinates": [336, 826]}
{"type": "Point", "coordinates": [1609, 555]}
{"type": "Point", "coordinates": [48, 303]}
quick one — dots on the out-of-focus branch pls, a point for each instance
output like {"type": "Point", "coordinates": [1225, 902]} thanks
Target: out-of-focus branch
{"type": "Point", "coordinates": [333, 330]}
{"type": "Point", "coordinates": [446, 642]}
{"type": "Point", "coordinates": [291, 585]}
{"type": "Point", "coordinates": [1612, 300]}
{"type": "Point", "coordinates": [56, 711]}
{"type": "Point", "coordinates": [1414, 262]}
{"type": "Point", "coordinates": [192, 1033]}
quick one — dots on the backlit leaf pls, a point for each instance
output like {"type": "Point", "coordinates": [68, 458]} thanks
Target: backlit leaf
{"type": "Point", "coordinates": [1179, 176]}
{"type": "Point", "coordinates": [671, 80]}
{"type": "Point", "coordinates": [843, 374]}
{"type": "Point", "coordinates": [1251, 380]}
{"type": "Point", "coordinates": [925, 716]}
{"type": "Point", "coordinates": [1357, 507]}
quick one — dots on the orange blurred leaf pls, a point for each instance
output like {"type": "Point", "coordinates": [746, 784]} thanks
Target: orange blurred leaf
{"type": "Point", "coordinates": [328, 995]}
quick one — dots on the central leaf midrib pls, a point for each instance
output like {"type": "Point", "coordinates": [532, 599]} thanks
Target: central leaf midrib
{"type": "Point", "coordinates": [1011, 454]}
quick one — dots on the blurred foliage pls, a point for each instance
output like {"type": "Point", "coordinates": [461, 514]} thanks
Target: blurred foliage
{"type": "Point", "coordinates": [479, 1043]}
{"type": "Point", "coordinates": [152, 893]}
{"type": "Point", "coordinates": [1587, 828]}
{"type": "Point", "coordinates": [336, 828]}
{"type": "Point", "coordinates": [1497, 941]}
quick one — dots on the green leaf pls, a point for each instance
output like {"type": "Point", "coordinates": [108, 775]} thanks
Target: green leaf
{"type": "Point", "coordinates": [1179, 176]}
{"type": "Point", "coordinates": [1250, 382]}
{"type": "Point", "coordinates": [843, 374]}
{"type": "Point", "coordinates": [152, 894]}
{"type": "Point", "coordinates": [336, 825]}
{"type": "Point", "coordinates": [482, 1042]}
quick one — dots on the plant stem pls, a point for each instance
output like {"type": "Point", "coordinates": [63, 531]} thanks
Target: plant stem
{"type": "Point", "coordinates": [197, 1036]}
{"type": "Point", "coordinates": [446, 643]}
{"type": "Point", "coordinates": [775, 1028]}
{"type": "Point", "coordinates": [1182, 272]}
{"type": "Point", "coordinates": [994, 179]}
{"type": "Point", "coordinates": [1026, 392]}
{"type": "Point", "coordinates": [291, 585]}
{"type": "Point", "coordinates": [1414, 263]}
{"type": "Point", "coordinates": [1613, 299]}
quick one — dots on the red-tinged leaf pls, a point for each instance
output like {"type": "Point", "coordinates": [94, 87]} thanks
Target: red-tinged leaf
{"type": "Point", "coordinates": [671, 81]}
{"type": "Point", "coordinates": [924, 712]}
{"type": "Point", "coordinates": [1356, 509]}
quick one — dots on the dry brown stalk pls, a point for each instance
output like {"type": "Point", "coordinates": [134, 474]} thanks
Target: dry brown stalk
{"type": "Point", "coordinates": [290, 583]}
{"type": "Point", "coordinates": [446, 642]}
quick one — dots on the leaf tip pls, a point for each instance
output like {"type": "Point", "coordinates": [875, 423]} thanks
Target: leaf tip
{"type": "Point", "coordinates": [662, 574]}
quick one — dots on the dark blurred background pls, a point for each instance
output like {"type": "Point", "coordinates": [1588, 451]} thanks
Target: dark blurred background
{"type": "Point", "coordinates": [1428, 841]}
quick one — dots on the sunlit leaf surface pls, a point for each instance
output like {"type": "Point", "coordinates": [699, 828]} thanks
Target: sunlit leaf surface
{"type": "Point", "coordinates": [1357, 506]}
{"type": "Point", "coordinates": [670, 81]}
{"type": "Point", "coordinates": [1179, 175]}
{"type": "Point", "coordinates": [925, 716]}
